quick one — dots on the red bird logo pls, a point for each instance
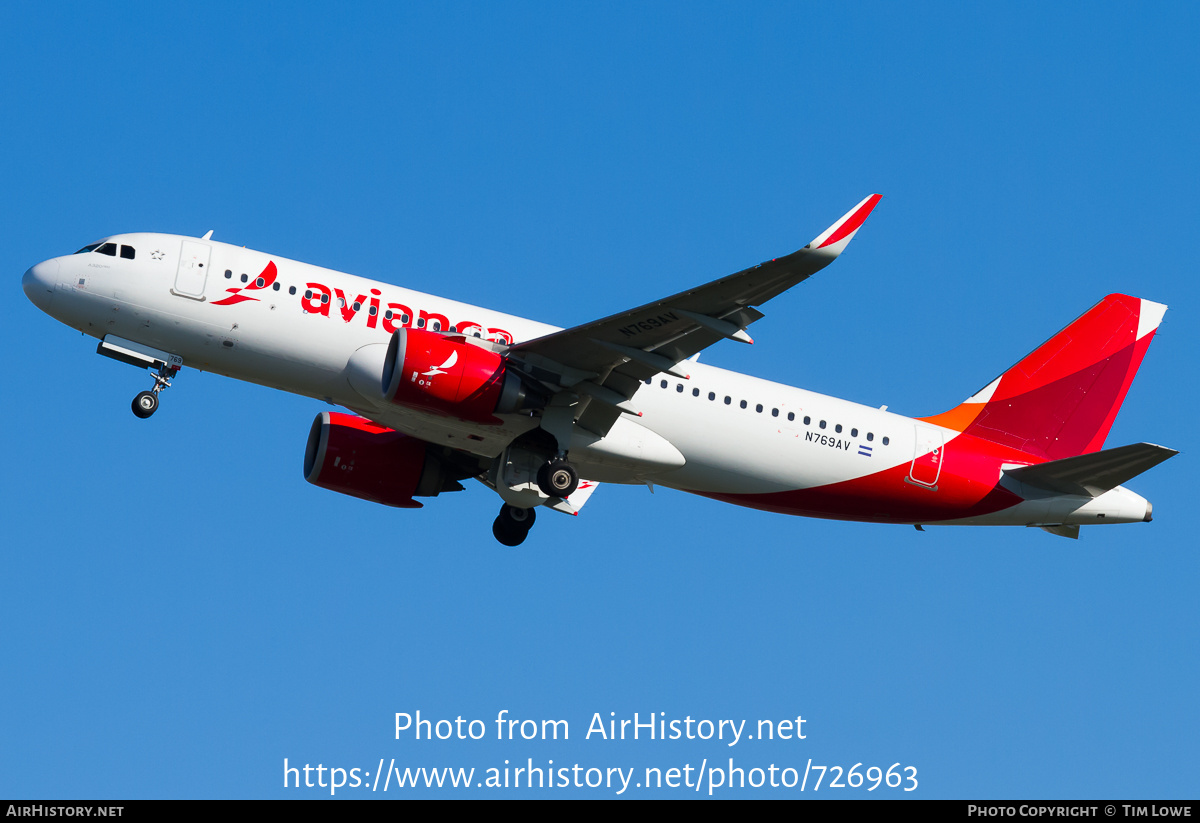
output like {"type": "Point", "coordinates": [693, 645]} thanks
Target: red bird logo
{"type": "Point", "coordinates": [263, 281]}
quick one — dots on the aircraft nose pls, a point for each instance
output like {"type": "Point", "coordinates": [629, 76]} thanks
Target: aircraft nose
{"type": "Point", "coordinates": [39, 283]}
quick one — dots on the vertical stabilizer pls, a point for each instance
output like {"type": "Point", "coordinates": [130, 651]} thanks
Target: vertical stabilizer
{"type": "Point", "coordinates": [1061, 399]}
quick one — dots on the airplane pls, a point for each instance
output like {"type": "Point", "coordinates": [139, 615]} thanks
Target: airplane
{"type": "Point", "coordinates": [440, 391]}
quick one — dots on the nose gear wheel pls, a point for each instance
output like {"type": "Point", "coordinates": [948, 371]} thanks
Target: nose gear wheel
{"type": "Point", "coordinates": [146, 403]}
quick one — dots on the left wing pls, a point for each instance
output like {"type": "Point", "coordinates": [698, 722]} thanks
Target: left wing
{"type": "Point", "coordinates": [600, 365]}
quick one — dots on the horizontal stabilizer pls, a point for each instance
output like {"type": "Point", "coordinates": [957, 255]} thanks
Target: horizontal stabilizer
{"type": "Point", "coordinates": [1091, 475]}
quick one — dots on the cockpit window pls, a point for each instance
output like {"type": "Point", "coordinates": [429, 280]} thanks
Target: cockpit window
{"type": "Point", "coordinates": [108, 248]}
{"type": "Point", "coordinates": [87, 249]}
{"type": "Point", "coordinates": [127, 252]}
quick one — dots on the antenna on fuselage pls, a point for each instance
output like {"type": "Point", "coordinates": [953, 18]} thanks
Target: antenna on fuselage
{"type": "Point", "coordinates": [207, 236]}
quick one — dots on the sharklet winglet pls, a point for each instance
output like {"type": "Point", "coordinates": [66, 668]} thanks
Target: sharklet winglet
{"type": "Point", "coordinates": [838, 236]}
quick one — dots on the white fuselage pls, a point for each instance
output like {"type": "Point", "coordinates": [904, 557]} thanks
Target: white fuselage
{"type": "Point", "coordinates": [323, 333]}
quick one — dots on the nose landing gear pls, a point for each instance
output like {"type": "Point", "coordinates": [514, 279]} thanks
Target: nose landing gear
{"type": "Point", "coordinates": [144, 357]}
{"type": "Point", "coordinates": [146, 403]}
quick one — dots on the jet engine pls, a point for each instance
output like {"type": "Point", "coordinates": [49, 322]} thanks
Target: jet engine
{"type": "Point", "coordinates": [447, 375]}
{"type": "Point", "coordinates": [351, 455]}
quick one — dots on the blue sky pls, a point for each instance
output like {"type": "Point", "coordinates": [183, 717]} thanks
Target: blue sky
{"type": "Point", "coordinates": [182, 611]}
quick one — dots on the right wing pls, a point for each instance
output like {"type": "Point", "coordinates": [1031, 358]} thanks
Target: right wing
{"type": "Point", "coordinates": [601, 364]}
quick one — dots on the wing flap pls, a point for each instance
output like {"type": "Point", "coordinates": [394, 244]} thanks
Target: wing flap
{"type": "Point", "coordinates": [575, 502]}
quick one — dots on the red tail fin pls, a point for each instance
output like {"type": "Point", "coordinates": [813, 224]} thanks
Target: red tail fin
{"type": "Point", "coordinates": [1061, 400]}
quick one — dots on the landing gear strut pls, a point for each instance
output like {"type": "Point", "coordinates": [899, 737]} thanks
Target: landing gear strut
{"type": "Point", "coordinates": [146, 403]}
{"type": "Point", "coordinates": [512, 525]}
{"type": "Point", "coordinates": [558, 478]}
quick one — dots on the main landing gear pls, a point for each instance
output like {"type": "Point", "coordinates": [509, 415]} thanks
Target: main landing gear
{"type": "Point", "coordinates": [512, 525]}
{"type": "Point", "coordinates": [146, 403]}
{"type": "Point", "coordinates": [557, 478]}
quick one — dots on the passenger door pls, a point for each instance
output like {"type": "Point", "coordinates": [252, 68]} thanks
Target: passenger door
{"type": "Point", "coordinates": [193, 270]}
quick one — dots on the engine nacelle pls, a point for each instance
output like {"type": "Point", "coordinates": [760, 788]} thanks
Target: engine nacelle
{"type": "Point", "coordinates": [353, 456]}
{"type": "Point", "coordinates": [447, 375]}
